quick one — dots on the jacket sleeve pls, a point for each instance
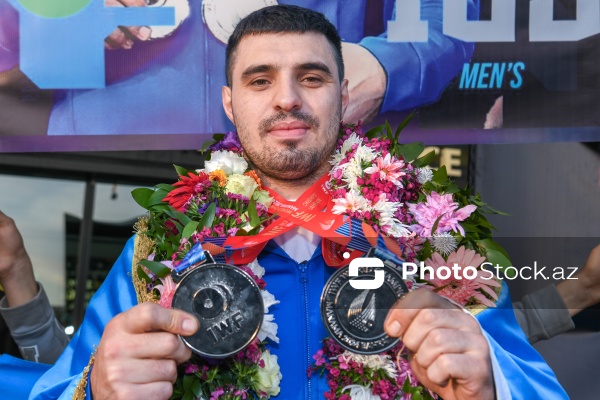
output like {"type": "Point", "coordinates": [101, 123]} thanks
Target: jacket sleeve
{"type": "Point", "coordinates": [525, 371]}
{"type": "Point", "coordinates": [61, 380]}
{"type": "Point", "coordinates": [418, 72]}
{"type": "Point", "coordinates": [543, 314]}
{"type": "Point", "coordinates": [35, 329]}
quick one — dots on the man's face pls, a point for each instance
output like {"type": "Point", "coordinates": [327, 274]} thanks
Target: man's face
{"type": "Point", "coordinates": [286, 102]}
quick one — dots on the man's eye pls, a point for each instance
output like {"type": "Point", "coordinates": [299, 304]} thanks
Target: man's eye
{"type": "Point", "coordinates": [259, 82]}
{"type": "Point", "coordinates": [312, 79]}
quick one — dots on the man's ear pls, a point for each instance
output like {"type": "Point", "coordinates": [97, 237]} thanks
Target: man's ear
{"type": "Point", "coordinates": [345, 95]}
{"type": "Point", "coordinates": [227, 106]}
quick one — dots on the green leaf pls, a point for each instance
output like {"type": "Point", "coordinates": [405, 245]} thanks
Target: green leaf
{"type": "Point", "coordinates": [179, 216]}
{"type": "Point", "coordinates": [195, 387]}
{"type": "Point", "coordinates": [157, 268]}
{"type": "Point", "coordinates": [410, 151]}
{"type": "Point", "coordinates": [187, 381]}
{"type": "Point", "coordinates": [435, 225]}
{"type": "Point", "coordinates": [190, 228]}
{"type": "Point", "coordinates": [253, 214]}
{"type": "Point", "coordinates": [497, 258]}
{"type": "Point", "coordinates": [142, 196]}
{"type": "Point", "coordinates": [470, 227]}
{"type": "Point", "coordinates": [403, 125]}
{"type": "Point", "coordinates": [143, 275]}
{"type": "Point", "coordinates": [375, 132]}
{"type": "Point", "coordinates": [181, 171]}
{"type": "Point", "coordinates": [490, 244]}
{"type": "Point", "coordinates": [424, 160]}
{"type": "Point", "coordinates": [159, 208]}
{"type": "Point", "coordinates": [496, 255]}
{"type": "Point", "coordinates": [157, 197]}
{"type": "Point", "coordinates": [440, 176]}
{"type": "Point", "coordinates": [165, 186]}
{"type": "Point", "coordinates": [208, 217]}
{"type": "Point", "coordinates": [388, 130]}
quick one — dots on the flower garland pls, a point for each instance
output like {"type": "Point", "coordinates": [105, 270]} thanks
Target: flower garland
{"type": "Point", "coordinates": [383, 183]}
{"type": "Point", "coordinates": [224, 199]}
{"type": "Point", "coordinates": [374, 179]}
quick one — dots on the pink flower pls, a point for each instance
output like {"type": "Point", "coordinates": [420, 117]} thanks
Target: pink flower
{"type": "Point", "coordinates": [191, 369]}
{"type": "Point", "coordinates": [389, 169]}
{"type": "Point", "coordinates": [457, 286]}
{"type": "Point", "coordinates": [350, 203]}
{"type": "Point", "coordinates": [437, 206]}
{"type": "Point", "coordinates": [167, 290]}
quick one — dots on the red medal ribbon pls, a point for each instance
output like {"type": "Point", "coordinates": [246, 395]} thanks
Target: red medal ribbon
{"type": "Point", "coordinates": [312, 211]}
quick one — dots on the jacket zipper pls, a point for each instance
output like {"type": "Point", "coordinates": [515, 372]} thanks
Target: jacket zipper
{"type": "Point", "coordinates": [303, 266]}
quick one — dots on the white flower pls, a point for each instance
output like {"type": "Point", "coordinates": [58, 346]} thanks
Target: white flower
{"type": "Point", "coordinates": [267, 378]}
{"type": "Point", "coordinates": [263, 197]}
{"type": "Point", "coordinates": [268, 329]}
{"type": "Point", "coordinates": [241, 184]}
{"type": "Point", "coordinates": [268, 299]}
{"type": "Point", "coordinates": [373, 361]}
{"type": "Point", "coordinates": [443, 243]}
{"type": "Point", "coordinates": [364, 154]}
{"type": "Point", "coordinates": [349, 142]}
{"type": "Point", "coordinates": [424, 175]}
{"type": "Point", "coordinates": [351, 202]}
{"type": "Point", "coordinates": [227, 161]}
{"type": "Point", "coordinates": [256, 268]}
{"type": "Point", "coordinates": [358, 392]}
{"type": "Point", "coordinates": [352, 171]}
{"type": "Point", "coordinates": [390, 224]}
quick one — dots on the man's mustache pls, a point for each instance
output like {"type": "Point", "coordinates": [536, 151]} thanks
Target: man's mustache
{"type": "Point", "coordinates": [297, 115]}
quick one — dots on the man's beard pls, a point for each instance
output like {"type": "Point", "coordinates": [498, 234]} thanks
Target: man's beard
{"type": "Point", "coordinates": [291, 163]}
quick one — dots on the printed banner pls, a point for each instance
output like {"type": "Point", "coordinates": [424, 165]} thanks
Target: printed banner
{"type": "Point", "coordinates": [73, 72]}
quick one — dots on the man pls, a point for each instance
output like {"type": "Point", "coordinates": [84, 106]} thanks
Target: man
{"type": "Point", "coordinates": [286, 95]}
{"type": "Point", "coordinates": [28, 327]}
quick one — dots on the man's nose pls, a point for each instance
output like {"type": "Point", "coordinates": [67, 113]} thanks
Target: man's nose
{"type": "Point", "coordinates": [287, 96]}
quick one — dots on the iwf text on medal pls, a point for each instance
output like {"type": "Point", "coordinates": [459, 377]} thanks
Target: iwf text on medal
{"type": "Point", "coordinates": [488, 271]}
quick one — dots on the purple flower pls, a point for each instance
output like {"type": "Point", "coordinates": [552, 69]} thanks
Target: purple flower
{"type": "Point", "coordinates": [191, 369]}
{"type": "Point", "coordinates": [230, 142]}
{"type": "Point", "coordinates": [442, 207]}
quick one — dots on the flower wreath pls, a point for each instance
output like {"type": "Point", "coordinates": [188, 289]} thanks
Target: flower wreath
{"type": "Point", "coordinates": [373, 178]}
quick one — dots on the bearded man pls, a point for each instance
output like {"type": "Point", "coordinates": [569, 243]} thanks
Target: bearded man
{"type": "Point", "coordinates": [286, 94]}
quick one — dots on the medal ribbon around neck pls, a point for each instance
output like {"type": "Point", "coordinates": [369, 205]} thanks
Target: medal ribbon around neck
{"type": "Point", "coordinates": [312, 211]}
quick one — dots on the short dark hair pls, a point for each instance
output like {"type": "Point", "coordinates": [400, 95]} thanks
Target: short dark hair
{"type": "Point", "coordinates": [283, 19]}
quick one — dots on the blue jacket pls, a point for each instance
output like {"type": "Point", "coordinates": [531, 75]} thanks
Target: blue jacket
{"type": "Point", "coordinates": [298, 287]}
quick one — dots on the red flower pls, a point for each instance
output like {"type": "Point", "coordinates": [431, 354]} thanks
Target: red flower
{"type": "Point", "coordinates": [185, 188]}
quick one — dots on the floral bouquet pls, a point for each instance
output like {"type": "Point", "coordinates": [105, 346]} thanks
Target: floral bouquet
{"type": "Point", "coordinates": [390, 187]}
{"type": "Point", "coordinates": [223, 200]}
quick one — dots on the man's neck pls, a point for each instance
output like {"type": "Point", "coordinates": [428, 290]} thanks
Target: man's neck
{"type": "Point", "coordinates": [291, 189]}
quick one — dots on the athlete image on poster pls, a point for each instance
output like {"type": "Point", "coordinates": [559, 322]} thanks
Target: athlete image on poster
{"type": "Point", "coordinates": [72, 73]}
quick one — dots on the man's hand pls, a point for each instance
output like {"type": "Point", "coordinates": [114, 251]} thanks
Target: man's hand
{"type": "Point", "coordinates": [448, 351]}
{"type": "Point", "coordinates": [125, 37]}
{"type": "Point", "coordinates": [16, 271]}
{"type": "Point", "coordinates": [584, 291]}
{"type": "Point", "coordinates": [366, 83]}
{"type": "Point", "coordinates": [139, 352]}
